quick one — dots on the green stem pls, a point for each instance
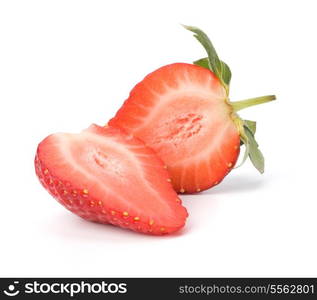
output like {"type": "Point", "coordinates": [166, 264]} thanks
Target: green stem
{"type": "Point", "coordinates": [238, 105]}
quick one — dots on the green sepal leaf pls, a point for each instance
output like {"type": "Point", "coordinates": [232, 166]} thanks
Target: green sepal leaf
{"type": "Point", "coordinates": [220, 69]}
{"type": "Point", "coordinates": [244, 140]}
{"type": "Point", "coordinates": [203, 62]}
{"type": "Point", "coordinates": [251, 125]}
{"type": "Point", "coordinates": [226, 73]}
{"type": "Point", "coordinates": [247, 129]}
{"type": "Point", "coordinates": [255, 154]}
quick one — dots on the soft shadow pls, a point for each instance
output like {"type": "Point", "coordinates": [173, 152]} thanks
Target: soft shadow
{"type": "Point", "coordinates": [70, 227]}
{"type": "Point", "coordinates": [239, 183]}
{"type": "Point", "coordinates": [204, 206]}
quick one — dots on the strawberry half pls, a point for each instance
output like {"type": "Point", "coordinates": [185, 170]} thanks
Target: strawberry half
{"type": "Point", "coordinates": [107, 176]}
{"type": "Point", "coordinates": [183, 112]}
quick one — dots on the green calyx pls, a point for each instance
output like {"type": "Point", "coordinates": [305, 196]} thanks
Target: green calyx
{"type": "Point", "coordinates": [222, 71]}
{"type": "Point", "coordinates": [238, 105]}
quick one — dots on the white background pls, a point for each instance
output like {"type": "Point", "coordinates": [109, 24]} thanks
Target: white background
{"type": "Point", "coordinates": [66, 64]}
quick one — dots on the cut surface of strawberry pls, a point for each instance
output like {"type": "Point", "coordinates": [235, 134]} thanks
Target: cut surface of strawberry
{"type": "Point", "coordinates": [183, 112]}
{"type": "Point", "coordinates": [108, 176]}
{"type": "Point", "coordinates": [180, 111]}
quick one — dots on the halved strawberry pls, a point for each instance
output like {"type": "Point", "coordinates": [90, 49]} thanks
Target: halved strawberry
{"type": "Point", "coordinates": [107, 176]}
{"type": "Point", "coordinates": [183, 112]}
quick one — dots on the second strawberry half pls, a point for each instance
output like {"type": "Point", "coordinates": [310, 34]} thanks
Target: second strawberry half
{"type": "Point", "coordinates": [184, 113]}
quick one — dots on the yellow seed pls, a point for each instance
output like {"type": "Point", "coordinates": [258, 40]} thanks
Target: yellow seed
{"type": "Point", "coordinates": [198, 190]}
{"type": "Point", "coordinates": [169, 180]}
{"type": "Point", "coordinates": [230, 165]}
{"type": "Point", "coordinates": [65, 192]}
{"type": "Point", "coordinates": [125, 213]}
{"type": "Point", "coordinates": [216, 182]}
{"type": "Point", "coordinates": [162, 229]}
{"type": "Point", "coordinates": [178, 200]}
{"type": "Point", "coordinates": [85, 191]}
{"type": "Point", "coordinates": [182, 190]}
{"type": "Point", "coordinates": [74, 192]}
{"type": "Point", "coordinates": [50, 181]}
{"type": "Point", "coordinates": [236, 147]}
{"type": "Point", "coordinates": [136, 219]}
{"type": "Point", "coordinates": [113, 212]}
{"type": "Point", "coordinates": [165, 167]}
{"type": "Point", "coordinates": [103, 212]}
{"type": "Point", "coordinates": [99, 203]}
{"type": "Point", "coordinates": [45, 171]}
{"type": "Point", "coordinates": [91, 203]}
{"type": "Point", "coordinates": [151, 222]}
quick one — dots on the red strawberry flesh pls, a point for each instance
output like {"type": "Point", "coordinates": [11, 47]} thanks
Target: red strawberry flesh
{"type": "Point", "coordinates": [108, 176]}
{"type": "Point", "coordinates": [180, 110]}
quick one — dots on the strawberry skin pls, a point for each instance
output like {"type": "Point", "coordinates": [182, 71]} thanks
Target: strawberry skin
{"type": "Point", "coordinates": [181, 111]}
{"type": "Point", "coordinates": [106, 175]}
